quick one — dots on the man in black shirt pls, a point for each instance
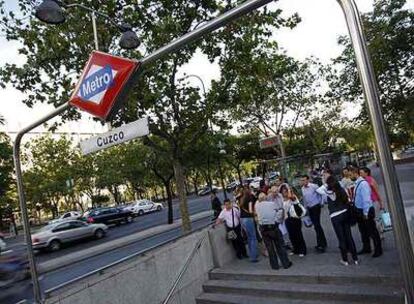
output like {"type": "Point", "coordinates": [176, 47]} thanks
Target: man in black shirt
{"type": "Point", "coordinates": [215, 205]}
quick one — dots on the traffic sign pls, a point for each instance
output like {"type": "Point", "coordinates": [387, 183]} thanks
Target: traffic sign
{"type": "Point", "coordinates": [103, 84]}
{"type": "Point", "coordinates": [116, 136]}
{"type": "Point", "coordinates": [269, 142]}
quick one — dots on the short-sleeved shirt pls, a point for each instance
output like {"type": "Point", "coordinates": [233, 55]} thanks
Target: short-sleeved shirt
{"type": "Point", "coordinates": [226, 216]}
{"type": "Point", "coordinates": [268, 213]}
{"type": "Point", "coordinates": [245, 206]}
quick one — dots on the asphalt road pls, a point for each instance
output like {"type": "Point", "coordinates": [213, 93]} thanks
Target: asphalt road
{"type": "Point", "coordinates": [196, 204]}
{"type": "Point", "coordinates": [51, 279]}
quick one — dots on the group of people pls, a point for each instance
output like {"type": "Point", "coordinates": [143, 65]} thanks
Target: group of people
{"type": "Point", "coordinates": [274, 216]}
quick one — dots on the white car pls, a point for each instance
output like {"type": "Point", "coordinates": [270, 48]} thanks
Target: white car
{"type": "Point", "coordinates": [255, 184]}
{"type": "Point", "coordinates": [145, 206]}
{"type": "Point", "coordinates": [71, 215]}
{"type": "Point", "coordinates": [52, 236]}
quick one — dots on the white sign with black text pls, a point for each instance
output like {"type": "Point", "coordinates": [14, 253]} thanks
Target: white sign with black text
{"type": "Point", "coordinates": [116, 136]}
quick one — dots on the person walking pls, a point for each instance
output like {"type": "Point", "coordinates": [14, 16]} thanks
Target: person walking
{"type": "Point", "coordinates": [293, 220]}
{"type": "Point", "coordinates": [338, 206]}
{"type": "Point", "coordinates": [375, 195]}
{"type": "Point", "coordinates": [230, 215]}
{"type": "Point", "coordinates": [366, 215]}
{"type": "Point", "coordinates": [247, 220]}
{"type": "Point", "coordinates": [269, 215]}
{"type": "Point", "coordinates": [215, 205]}
{"type": "Point", "coordinates": [313, 203]}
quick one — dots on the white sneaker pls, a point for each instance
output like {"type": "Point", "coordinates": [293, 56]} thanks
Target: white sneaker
{"type": "Point", "coordinates": [345, 263]}
{"type": "Point", "coordinates": [301, 255]}
{"type": "Point", "coordinates": [356, 262]}
{"type": "Point", "coordinates": [291, 253]}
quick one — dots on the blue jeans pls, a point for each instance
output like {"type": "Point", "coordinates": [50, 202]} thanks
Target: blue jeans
{"type": "Point", "coordinates": [248, 226]}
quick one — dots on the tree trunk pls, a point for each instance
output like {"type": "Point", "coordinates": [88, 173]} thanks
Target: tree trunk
{"type": "Point", "coordinates": [239, 175]}
{"type": "Point", "coordinates": [167, 186]}
{"type": "Point", "coordinates": [195, 186]}
{"type": "Point", "coordinates": [180, 181]}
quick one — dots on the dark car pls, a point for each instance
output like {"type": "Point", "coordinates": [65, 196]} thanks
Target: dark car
{"type": "Point", "coordinates": [109, 216]}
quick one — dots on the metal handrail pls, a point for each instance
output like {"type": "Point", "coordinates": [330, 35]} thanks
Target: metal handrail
{"type": "Point", "coordinates": [185, 267]}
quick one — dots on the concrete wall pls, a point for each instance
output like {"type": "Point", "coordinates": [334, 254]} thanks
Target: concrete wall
{"type": "Point", "coordinates": [147, 279]}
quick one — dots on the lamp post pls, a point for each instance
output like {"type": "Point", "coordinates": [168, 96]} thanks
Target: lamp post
{"type": "Point", "coordinates": [52, 12]}
{"type": "Point", "coordinates": [201, 81]}
{"type": "Point", "coordinates": [221, 147]}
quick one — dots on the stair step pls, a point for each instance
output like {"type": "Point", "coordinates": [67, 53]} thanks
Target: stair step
{"type": "Point", "coordinates": [267, 276]}
{"type": "Point", "coordinates": [357, 292]}
{"type": "Point", "coordinates": [222, 298]}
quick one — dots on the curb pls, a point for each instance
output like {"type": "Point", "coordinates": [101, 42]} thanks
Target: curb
{"type": "Point", "coordinates": [114, 244]}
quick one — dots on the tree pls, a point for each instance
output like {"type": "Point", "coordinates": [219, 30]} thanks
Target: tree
{"type": "Point", "coordinates": [389, 29]}
{"type": "Point", "coordinates": [111, 166]}
{"type": "Point", "coordinates": [49, 163]}
{"type": "Point", "coordinates": [240, 149]}
{"type": "Point", "coordinates": [177, 113]}
{"type": "Point", "coordinates": [162, 169]}
{"type": "Point", "coordinates": [6, 171]}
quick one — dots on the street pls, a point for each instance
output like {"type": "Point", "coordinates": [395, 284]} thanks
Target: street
{"type": "Point", "coordinates": [51, 279]}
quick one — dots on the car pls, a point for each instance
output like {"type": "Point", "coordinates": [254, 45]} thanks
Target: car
{"type": "Point", "coordinates": [273, 175]}
{"type": "Point", "coordinates": [255, 183]}
{"type": "Point", "coordinates": [206, 190]}
{"type": "Point", "coordinates": [108, 216]}
{"type": "Point", "coordinates": [71, 215]}
{"type": "Point", "coordinates": [51, 237]}
{"type": "Point", "coordinates": [408, 152]}
{"type": "Point", "coordinates": [145, 206]}
{"type": "Point", "coordinates": [233, 185]}
{"type": "Point", "coordinates": [129, 207]}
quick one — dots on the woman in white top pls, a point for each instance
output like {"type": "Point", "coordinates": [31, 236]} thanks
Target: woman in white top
{"type": "Point", "coordinates": [293, 220]}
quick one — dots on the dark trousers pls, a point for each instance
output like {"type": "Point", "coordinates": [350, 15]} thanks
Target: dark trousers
{"type": "Point", "coordinates": [315, 215]}
{"type": "Point", "coordinates": [238, 243]}
{"type": "Point", "coordinates": [343, 232]}
{"type": "Point", "coordinates": [294, 228]}
{"type": "Point", "coordinates": [273, 240]}
{"type": "Point", "coordinates": [368, 229]}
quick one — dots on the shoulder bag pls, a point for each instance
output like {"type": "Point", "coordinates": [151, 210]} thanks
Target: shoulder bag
{"type": "Point", "coordinates": [231, 234]}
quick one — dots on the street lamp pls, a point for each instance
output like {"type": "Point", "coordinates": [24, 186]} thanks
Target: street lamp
{"type": "Point", "coordinates": [199, 78]}
{"type": "Point", "coordinates": [221, 147]}
{"type": "Point", "coordinates": [51, 11]}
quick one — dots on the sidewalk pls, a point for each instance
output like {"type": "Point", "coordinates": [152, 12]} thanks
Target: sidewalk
{"type": "Point", "coordinates": [313, 279]}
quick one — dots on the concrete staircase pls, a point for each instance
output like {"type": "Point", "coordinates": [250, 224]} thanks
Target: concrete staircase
{"type": "Point", "coordinates": [266, 286]}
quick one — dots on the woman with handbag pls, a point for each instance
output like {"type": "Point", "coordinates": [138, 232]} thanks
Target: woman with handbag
{"type": "Point", "coordinates": [294, 211]}
{"type": "Point", "coordinates": [230, 215]}
{"type": "Point", "coordinates": [338, 206]}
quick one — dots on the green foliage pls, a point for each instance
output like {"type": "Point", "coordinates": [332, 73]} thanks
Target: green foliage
{"type": "Point", "coordinates": [390, 33]}
{"type": "Point", "coordinates": [6, 164]}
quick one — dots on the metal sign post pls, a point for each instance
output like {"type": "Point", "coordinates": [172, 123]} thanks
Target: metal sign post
{"type": "Point", "coordinates": [392, 187]}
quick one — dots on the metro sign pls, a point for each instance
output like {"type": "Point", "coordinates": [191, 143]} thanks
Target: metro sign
{"type": "Point", "coordinates": [103, 84]}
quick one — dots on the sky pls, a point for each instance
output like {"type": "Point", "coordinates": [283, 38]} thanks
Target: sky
{"type": "Point", "coordinates": [322, 23]}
